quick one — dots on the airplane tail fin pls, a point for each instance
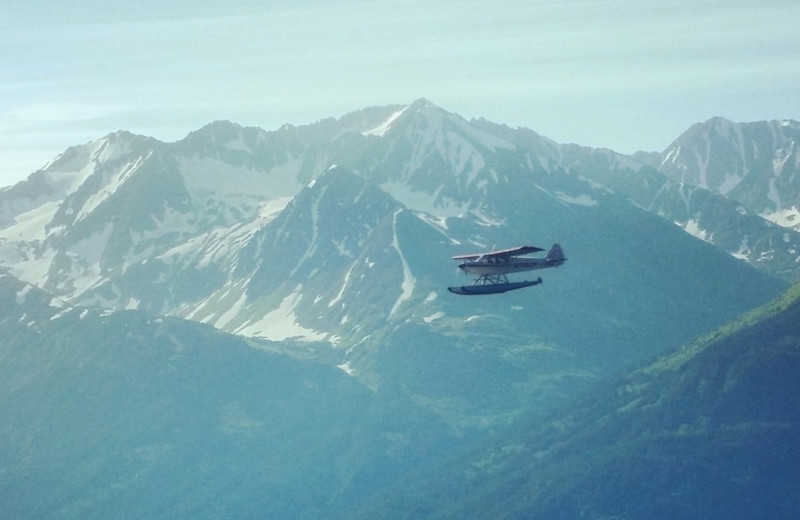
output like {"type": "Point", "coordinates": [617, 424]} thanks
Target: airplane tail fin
{"type": "Point", "coordinates": [556, 255]}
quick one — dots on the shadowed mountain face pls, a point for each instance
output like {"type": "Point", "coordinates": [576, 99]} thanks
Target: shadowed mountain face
{"type": "Point", "coordinates": [128, 416]}
{"type": "Point", "coordinates": [124, 415]}
{"type": "Point", "coordinates": [712, 430]}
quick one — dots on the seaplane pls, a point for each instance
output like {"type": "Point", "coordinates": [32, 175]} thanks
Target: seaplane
{"type": "Point", "coordinates": [493, 267]}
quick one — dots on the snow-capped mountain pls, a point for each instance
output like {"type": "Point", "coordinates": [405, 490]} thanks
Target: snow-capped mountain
{"type": "Point", "coordinates": [756, 164]}
{"type": "Point", "coordinates": [704, 214]}
{"type": "Point", "coordinates": [333, 240]}
{"type": "Point", "coordinates": [328, 248]}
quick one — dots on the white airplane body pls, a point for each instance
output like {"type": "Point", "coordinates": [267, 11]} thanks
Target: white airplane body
{"type": "Point", "coordinates": [491, 268]}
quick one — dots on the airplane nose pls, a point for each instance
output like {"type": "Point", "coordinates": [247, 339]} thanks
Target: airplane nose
{"type": "Point", "coordinates": [462, 266]}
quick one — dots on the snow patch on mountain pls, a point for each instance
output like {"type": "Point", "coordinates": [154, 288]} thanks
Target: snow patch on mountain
{"type": "Point", "coordinates": [346, 368]}
{"type": "Point", "coordinates": [692, 227]}
{"type": "Point", "coordinates": [671, 156]}
{"type": "Point", "coordinates": [31, 266]}
{"type": "Point", "coordinates": [483, 219]}
{"type": "Point", "coordinates": [437, 222]}
{"type": "Point", "coordinates": [338, 297]}
{"type": "Point", "coordinates": [281, 324]}
{"type": "Point", "coordinates": [579, 200]}
{"type": "Point", "coordinates": [409, 281]}
{"type": "Point", "coordinates": [112, 147]}
{"type": "Point", "coordinates": [30, 225]}
{"type": "Point", "coordinates": [382, 128]}
{"type": "Point", "coordinates": [433, 317]}
{"type": "Point", "coordinates": [788, 218]}
{"type": "Point", "coordinates": [232, 312]}
{"type": "Point", "coordinates": [111, 186]}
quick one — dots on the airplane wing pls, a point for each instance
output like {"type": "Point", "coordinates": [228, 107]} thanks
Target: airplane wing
{"type": "Point", "coordinates": [503, 253]}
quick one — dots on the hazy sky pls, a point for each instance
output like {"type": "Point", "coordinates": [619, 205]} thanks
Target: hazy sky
{"type": "Point", "coordinates": [627, 74]}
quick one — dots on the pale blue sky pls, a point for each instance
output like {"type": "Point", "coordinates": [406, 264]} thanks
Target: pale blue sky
{"type": "Point", "coordinates": [623, 74]}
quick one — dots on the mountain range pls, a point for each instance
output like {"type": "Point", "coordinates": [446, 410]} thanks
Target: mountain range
{"type": "Point", "coordinates": [279, 293]}
{"type": "Point", "coordinates": [756, 164]}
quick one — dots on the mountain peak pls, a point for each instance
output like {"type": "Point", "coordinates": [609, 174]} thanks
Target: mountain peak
{"type": "Point", "coordinates": [219, 131]}
{"type": "Point", "coordinates": [220, 125]}
{"type": "Point", "coordinates": [752, 163]}
{"type": "Point", "coordinates": [424, 107]}
{"type": "Point", "coordinates": [377, 121]}
{"type": "Point", "coordinates": [423, 103]}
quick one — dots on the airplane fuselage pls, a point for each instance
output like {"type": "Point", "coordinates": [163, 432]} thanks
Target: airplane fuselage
{"type": "Point", "coordinates": [501, 266]}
